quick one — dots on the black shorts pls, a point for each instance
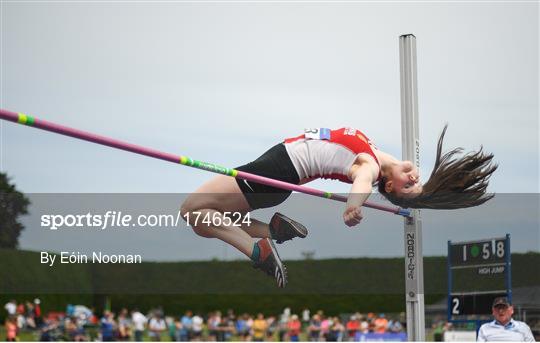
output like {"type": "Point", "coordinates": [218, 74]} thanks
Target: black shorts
{"type": "Point", "coordinates": [275, 164]}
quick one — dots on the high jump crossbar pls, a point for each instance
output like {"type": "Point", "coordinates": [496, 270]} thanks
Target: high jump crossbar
{"type": "Point", "coordinates": [184, 160]}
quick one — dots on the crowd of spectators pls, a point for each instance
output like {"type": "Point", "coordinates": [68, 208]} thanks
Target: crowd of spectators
{"type": "Point", "coordinates": [80, 323]}
{"type": "Point", "coordinates": [21, 315]}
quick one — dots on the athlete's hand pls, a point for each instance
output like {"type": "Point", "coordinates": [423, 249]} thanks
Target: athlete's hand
{"type": "Point", "coordinates": [352, 216]}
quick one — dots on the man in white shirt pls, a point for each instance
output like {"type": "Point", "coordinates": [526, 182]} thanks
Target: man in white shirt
{"type": "Point", "coordinates": [139, 321]}
{"type": "Point", "coordinates": [11, 307]}
{"type": "Point", "coordinates": [156, 326]}
{"type": "Point", "coordinates": [504, 328]}
{"type": "Point", "coordinates": [197, 327]}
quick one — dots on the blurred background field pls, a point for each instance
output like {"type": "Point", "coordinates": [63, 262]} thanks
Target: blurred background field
{"type": "Point", "coordinates": [334, 285]}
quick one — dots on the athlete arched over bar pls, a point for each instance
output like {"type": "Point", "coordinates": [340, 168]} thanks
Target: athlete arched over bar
{"type": "Point", "coordinates": [344, 154]}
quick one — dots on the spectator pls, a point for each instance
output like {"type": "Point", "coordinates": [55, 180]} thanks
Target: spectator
{"type": "Point", "coordinates": [156, 326]}
{"type": "Point", "coordinates": [294, 326]}
{"type": "Point", "coordinates": [93, 320]}
{"type": "Point", "coordinates": [371, 321]}
{"type": "Point", "coordinates": [107, 326]}
{"type": "Point", "coordinates": [249, 323]}
{"type": "Point", "coordinates": [11, 307]}
{"type": "Point", "coordinates": [37, 312]}
{"type": "Point", "coordinates": [177, 328]}
{"type": "Point", "coordinates": [227, 327]}
{"type": "Point", "coordinates": [139, 321]}
{"type": "Point", "coordinates": [259, 328]}
{"type": "Point", "coordinates": [337, 330]}
{"type": "Point", "coordinates": [197, 327]}
{"type": "Point", "coordinates": [171, 328]}
{"type": "Point", "coordinates": [20, 309]}
{"type": "Point", "coordinates": [70, 310]}
{"type": "Point", "coordinates": [504, 327]}
{"type": "Point", "coordinates": [364, 324]}
{"type": "Point", "coordinates": [380, 324]}
{"type": "Point", "coordinates": [314, 328]}
{"type": "Point", "coordinates": [394, 326]}
{"type": "Point", "coordinates": [242, 327]}
{"type": "Point", "coordinates": [438, 331]}
{"type": "Point", "coordinates": [282, 325]}
{"type": "Point", "coordinates": [81, 331]}
{"type": "Point", "coordinates": [186, 323]}
{"type": "Point", "coordinates": [306, 318]}
{"type": "Point", "coordinates": [353, 327]}
{"type": "Point", "coordinates": [124, 326]}
{"type": "Point", "coordinates": [82, 313]}
{"type": "Point", "coordinates": [30, 316]}
{"type": "Point", "coordinates": [326, 324]}
{"type": "Point", "coordinates": [50, 331]}
{"type": "Point", "coordinates": [272, 327]}
{"type": "Point", "coordinates": [11, 329]}
{"type": "Point", "coordinates": [20, 316]}
{"type": "Point", "coordinates": [214, 320]}
{"type": "Point", "coordinates": [73, 331]}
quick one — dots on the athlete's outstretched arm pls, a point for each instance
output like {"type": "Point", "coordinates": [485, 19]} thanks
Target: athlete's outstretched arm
{"type": "Point", "coordinates": [360, 191]}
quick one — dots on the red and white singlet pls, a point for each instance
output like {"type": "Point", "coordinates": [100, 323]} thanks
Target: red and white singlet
{"type": "Point", "coordinates": [327, 154]}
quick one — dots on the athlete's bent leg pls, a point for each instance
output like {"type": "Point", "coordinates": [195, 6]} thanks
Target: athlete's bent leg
{"type": "Point", "coordinates": [220, 194]}
{"type": "Point", "coordinates": [205, 209]}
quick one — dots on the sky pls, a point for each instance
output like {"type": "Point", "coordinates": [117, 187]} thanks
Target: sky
{"type": "Point", "coordinates": [224, 81]}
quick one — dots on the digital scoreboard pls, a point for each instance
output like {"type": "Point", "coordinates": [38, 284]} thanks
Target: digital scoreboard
{"type": "Point", "coordinates": [478, 272]}
{"type": "Point", "coordinates": [481, 253]}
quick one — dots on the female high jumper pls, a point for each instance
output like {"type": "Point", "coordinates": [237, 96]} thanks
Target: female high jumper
{"type": "Point", "coordinates": [344, 154]}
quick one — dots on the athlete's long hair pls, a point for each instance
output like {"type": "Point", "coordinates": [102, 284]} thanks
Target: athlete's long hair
{"type": "Point", "coordinates": [455, 182]}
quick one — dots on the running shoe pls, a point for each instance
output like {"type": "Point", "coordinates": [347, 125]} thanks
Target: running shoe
{"type": "Point", "coordinates": [270, 263]}
{"type": "Point", "coordinates": [283, 228]}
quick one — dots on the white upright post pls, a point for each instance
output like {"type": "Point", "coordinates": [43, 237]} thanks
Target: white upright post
{"type": "Point", "coordinates": [414, 266]}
